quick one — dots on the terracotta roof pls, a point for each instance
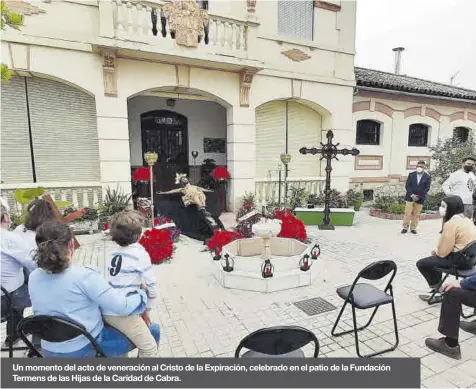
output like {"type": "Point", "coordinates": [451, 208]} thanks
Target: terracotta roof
{"type": "Point", "coordinates": [383, 80]}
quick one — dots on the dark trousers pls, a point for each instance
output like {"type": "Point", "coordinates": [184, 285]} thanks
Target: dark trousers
{"type": "Point", "coordinates": [427, 266]}
{"type": "Point", "coordinates": [451, 310]}
{"type": "Point", "coordinates": [21, 301]}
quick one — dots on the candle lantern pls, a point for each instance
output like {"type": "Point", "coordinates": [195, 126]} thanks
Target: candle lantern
{"type": "Point", "coordinates": [315, 251]}
{"type": "Point", "coordinates": [228, 263]}
{"type": "Point", "coordinates": [267, 269]}
{"type": "Point", "coordinates": [285, 159]}
{"type": "Point", "coordinates": [151, 158]}
{"type": "Point", "coordinates": [304, 263]}
{"type": "Point", "coordinates": [217, 254]}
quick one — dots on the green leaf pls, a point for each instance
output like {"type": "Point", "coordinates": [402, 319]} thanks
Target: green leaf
{"type": "Point", "coordinates": [34, 192]}
{"type": "Point", "coordinates": [6, 73]}
{"type": "Point", "coordinates": [63, 204]}
{"type": "Point", "coordinates": [20, 196]}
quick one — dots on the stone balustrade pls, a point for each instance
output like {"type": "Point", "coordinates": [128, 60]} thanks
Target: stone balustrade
{"type": "Point", "coordinates": [147, 23]}
{"type": "Point", "coordinates": [79, 196]}
{"type": "Point", "coordinates": [268, 191]}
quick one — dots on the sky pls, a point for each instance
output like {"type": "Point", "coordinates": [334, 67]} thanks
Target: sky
{"type": "Point", "coordinates": [439, 37]}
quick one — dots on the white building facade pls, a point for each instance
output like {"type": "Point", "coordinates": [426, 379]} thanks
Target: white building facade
{"type": "Point", "coordinates": [98, 83]}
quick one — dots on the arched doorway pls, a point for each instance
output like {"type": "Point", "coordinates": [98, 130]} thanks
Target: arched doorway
{"type": "Point", "coordinates": [166, 133]}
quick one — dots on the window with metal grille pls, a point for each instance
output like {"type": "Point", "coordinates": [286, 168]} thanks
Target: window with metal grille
{"type": "Point", "coordinates": [460, 134]}
{"type": "Point", "coordinates": [368, 132]}
{"type": "Point", "coordinates": [296, 18]}
{"type": "Point", "coordinates": [418, 135]}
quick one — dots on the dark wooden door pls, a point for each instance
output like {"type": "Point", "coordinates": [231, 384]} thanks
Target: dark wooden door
{"type": "Point", "coordinates": [165, 132]}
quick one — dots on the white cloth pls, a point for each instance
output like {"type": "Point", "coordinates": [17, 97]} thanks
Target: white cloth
{"type": "Point", "coordinates": [15, 254]}
{"type": "Point", "coordinates": [461, 184]}
{"type": "Point", "coordinates": [128, 268]}
{"type": "Point", "coordinates": [28, 235]}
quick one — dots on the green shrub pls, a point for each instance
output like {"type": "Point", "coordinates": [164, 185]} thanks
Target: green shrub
{"type": "Point", "coordinates": [337, 199]}
{"type": "Point", "coordinates": [115, 201]}
{"type": "Point", "coordinates": [384, 202]}
{"type": "Point", "coordinates": [297, 197]}
{"type": "Point", "coordinates": [433, 201]}
{"type": "Point", "coordinates": [397, 209]}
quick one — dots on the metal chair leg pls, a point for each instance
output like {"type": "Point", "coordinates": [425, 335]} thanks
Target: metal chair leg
{"type": "Point", "coordinates": [393, 348]}
{"type": "Point", "coordinates": [430, 300]}
{"type": "Point", "coordinates": [352, 330]}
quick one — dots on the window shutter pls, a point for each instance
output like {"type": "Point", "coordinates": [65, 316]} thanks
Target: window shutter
{"type": "Point", "coordinates": [270, 138]}
{"type": "Point", "coordinates": [304, 131]}
{"type": "Point", "coordinates": [64, 128]}
{"type": "Point", "coordinates": [16, 164]}
{"type": "Point", "coordinates": [295, 18]}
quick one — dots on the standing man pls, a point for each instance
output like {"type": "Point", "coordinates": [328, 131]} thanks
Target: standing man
{"type": "Point", "coordinates": [462, 183]}
{"type": "Point", "coordinates": [417, 186]}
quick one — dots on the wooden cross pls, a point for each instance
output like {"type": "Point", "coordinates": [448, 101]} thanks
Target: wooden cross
{"type": "Point", "coordinates": [65, 219]}
{"type": "Point", "coordinates": [328, 151]}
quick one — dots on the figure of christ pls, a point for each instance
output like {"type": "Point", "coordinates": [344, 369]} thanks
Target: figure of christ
{"type": "Point", "coordinates": [189, 214]}
{"type": "Point", "coordinates": [192, 194]}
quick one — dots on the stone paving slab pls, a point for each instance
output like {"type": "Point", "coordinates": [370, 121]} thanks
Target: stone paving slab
{"type": "Point", "coordinates": [200, 318]}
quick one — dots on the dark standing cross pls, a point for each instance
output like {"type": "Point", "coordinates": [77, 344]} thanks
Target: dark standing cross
{"type": "Point", "coordinates": [328, 151]}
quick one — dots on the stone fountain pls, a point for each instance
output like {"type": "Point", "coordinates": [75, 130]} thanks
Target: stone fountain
{"type": "Point", "coordinates": [265, 263]}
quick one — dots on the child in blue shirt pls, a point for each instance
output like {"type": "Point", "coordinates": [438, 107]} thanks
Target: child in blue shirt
{"type": "Point", "coordinates": [129, 270]}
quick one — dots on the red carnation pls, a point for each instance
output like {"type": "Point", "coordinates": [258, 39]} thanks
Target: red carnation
{"type": "Point", "coordinates": [106, 226]}
{"type": "Point", "coordinates": [291, 227]}
{"type": "Point", "coordinates": [141, 174]}
{"type": "Point", "coordinates": [220, 173]}
{"type": "Point", "coordinates": [221, 238]}
{"type": "Point", "coordinates": [158, 244]}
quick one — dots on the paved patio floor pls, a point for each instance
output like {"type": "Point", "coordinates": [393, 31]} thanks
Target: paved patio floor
{"type": "Point", "coordinates": [200, 318]}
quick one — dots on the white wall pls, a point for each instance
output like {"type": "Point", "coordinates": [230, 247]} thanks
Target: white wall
{"type": "Point", "coordinates": [205, 120]}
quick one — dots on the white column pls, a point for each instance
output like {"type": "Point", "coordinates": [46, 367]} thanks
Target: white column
{"type": "Point", "coordinates": [113, 135]}
{"type": "Point", "coordinates": [240, 153]}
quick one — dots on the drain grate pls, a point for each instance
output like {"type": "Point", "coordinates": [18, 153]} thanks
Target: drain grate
{"type": "Point", "coordinates": [315, 306]}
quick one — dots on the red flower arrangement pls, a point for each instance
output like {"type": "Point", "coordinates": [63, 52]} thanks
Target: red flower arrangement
{"type": "Point", "coordinates": [158, 244]}
{"type": "Point", "coordinates": [220, 173]}
{"type": "Point", "coordinates": [141, 174]}
{"type": "Point", "coordinates": [291, 226]}
{"type": "Point", "coordinates": [106, 227]}
{"type": "Point", "coordinates": [221, 238]}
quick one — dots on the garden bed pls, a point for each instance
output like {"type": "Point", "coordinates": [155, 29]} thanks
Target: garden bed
{"type": "Point", "coordinates": [315, 216]}
{"type": "Point", "coordinates": [395, 216]}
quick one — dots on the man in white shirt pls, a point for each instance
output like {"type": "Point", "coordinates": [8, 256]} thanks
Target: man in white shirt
{"type": "Point", "coordinates": [16, 255]}
{"type": "Point", "coordinates": [462, 183]}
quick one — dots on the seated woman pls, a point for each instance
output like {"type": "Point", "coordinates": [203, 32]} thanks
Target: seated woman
{"type": "Point", "coordinates": [59, 288]}
{"type": "Point", "coordinates": [39, 211]}
{"type": "Point", "coordinates": [458, 231]}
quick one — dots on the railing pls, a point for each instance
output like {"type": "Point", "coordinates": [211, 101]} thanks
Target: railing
{"type": "Point", "coordinates": [268, 191]}
{"type": "Point", "coordinates": [147, 23]}
{"type": "Point", "coordinates": [80, 196]}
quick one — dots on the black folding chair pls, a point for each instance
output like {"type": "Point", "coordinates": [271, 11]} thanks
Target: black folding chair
{"type": "Point", "coordinates": [9, 315]}
{"type": "Point", "coordinates": [277, 342]}
{"type": "Point", "coordinates": [54, 329]}
{"type": "Point", "coordinates": [468, 255]}
{"type": "Point", "coordinates": [365, 296]}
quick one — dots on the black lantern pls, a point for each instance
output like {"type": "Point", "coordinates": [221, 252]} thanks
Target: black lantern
{"type": "Point", "coordinates": [227, 263]}
{"type": "Point", "coordinates": [315, 252]}
{"type": "Point", "coordinates": [217, 254]}
{"type": "Point", "coordinates": [304, 263]}
{"type": "Point", "coordinates": [267, 269]}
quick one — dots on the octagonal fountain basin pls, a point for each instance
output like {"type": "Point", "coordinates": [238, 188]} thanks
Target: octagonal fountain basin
{"type": "Point", "coordinates": [249, 256]}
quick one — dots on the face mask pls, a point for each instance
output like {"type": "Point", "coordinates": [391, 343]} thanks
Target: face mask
{"type": "Point", "coordinates": [442, 212]}
{"type": "Point", "coordinates": [419, 169]}
{"type": "Point", "coordinates": [468, 169]}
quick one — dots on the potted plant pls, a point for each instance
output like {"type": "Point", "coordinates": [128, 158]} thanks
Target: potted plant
{"type": "Point", "coordinates": [355, 198]}
{"type": "Point", "coordinates": [89, 222]}
{"type": "Point", "coordinates": [115, 201]}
